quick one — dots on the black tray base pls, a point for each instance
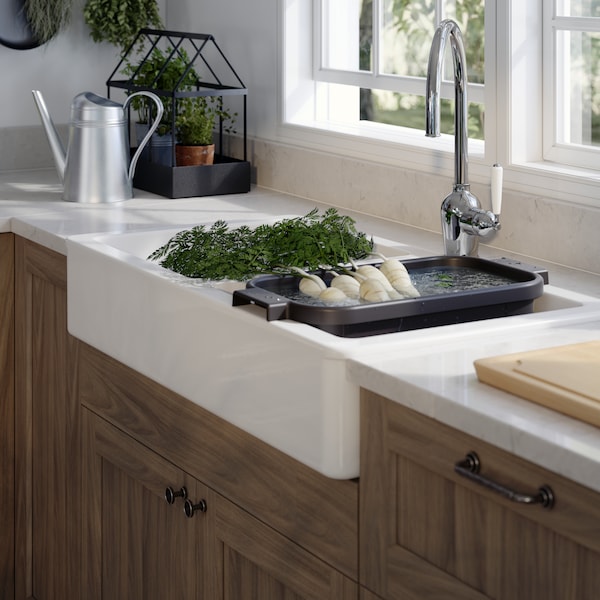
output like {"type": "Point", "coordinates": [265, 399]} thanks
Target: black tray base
{"type": "Point", "coordinates": [226, 176]}
{"type": "Point", "coordinates": [450, 317]}
{"type": "Point", "coordinates": [515, 298]}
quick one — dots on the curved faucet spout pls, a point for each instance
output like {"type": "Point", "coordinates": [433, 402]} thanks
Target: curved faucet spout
{"type": "Point", "coordinates": [463, 220]}
{"type": "Point", "coordinates": [448, 29]}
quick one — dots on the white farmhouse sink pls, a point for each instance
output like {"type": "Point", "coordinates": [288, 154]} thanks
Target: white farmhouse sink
{"type": "Point", "coordinates": [284, 382]}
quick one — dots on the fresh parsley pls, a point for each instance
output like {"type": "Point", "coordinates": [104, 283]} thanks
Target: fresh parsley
{"type": "Point", "coordinates": [220, 252]}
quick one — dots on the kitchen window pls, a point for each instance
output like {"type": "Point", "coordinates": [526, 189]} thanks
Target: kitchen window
{"type": "Point", "coordinates": [381, 47]}
{"type": "Point", "coordinates": [572, 82]}
{"type": "Point", "coordinates": [354, 82]}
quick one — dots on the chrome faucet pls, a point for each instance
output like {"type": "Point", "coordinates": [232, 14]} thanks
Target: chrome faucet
{"type": "Point", "coordinates": [463, 219]}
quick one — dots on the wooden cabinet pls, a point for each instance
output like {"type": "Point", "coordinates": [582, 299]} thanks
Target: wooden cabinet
{"type": "Point", "coordinates": [272, 529]}
{"type": "Point", "coordinates": [7, 419]}
{"type": "Point", "coordinates": [428, 532]}
{"type": "Point", "coordinates": [47, 429]}
{"type": "Point", "coordinates": [136, 544]}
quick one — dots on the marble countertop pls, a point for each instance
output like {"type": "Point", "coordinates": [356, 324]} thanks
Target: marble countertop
{"type": "Point", "coordinates": [436, 379]}
{"type": "Point", "coordinates": [31, 205]}
{"type": "Point", "coordinates": [439, 381]}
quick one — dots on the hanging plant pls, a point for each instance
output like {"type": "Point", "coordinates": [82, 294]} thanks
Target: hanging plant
{"type": "Point", "coordinates": [119, 21]}
{"type": "Point", "coordinates": [47, 17]}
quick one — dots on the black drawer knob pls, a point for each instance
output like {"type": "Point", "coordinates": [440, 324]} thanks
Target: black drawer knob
{"type": "Point", "coordinates": [190, 508]}
{"type": "Point", "coordinates": [171, 495]}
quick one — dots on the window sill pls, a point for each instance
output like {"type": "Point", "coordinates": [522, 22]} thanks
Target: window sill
{"type": "Point", "coordinates": [411, 149]}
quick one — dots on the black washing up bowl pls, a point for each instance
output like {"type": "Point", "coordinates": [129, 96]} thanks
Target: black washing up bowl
{"type": "Point", "coordinates": [454, 289]}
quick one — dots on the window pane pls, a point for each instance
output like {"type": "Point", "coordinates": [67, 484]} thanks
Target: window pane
{"type": "Point", "coordinates": [578, 8]}
{"type": "Point", "coordinates": [408, 110]}
{"type": "Point", "coordinates": [347, 34]}
{"type": "Point", "coordinates": [469, 16]}
{"type": "Point", "coordinates": [578, 88]}
{"type": "Point", "coordinates": [408, 27]}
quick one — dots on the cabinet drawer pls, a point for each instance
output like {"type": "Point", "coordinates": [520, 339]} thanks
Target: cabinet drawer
{"type": "Point", "coordinates": [422, 522]}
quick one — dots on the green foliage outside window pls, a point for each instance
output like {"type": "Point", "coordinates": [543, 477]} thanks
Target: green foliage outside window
{"type": "Point", "coordinates": [413, 23]}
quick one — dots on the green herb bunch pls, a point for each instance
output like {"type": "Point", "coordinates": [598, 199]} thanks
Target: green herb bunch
{"type": "Point", "coordinates": [307, 242]}
{"type": "Point", "coordinates": [163, 70]}
{"type": "Point", "coordinates": [196, 118]}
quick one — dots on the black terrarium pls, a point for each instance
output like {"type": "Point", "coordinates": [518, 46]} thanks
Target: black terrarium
{"type": "Point", "coordinates": [204, 106]}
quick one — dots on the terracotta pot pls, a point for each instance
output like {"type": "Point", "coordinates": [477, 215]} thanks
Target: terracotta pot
{"type": "Point", "coordinates": [194, 155]}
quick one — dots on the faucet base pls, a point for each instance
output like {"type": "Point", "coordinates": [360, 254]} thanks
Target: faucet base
{"type": "Point", "coordinates": [464, 222]}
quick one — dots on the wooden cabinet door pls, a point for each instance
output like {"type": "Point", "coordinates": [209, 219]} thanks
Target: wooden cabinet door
{"type": "Point", "coordinates": [429, 532]}
{"type": "Point", "coordinates": [47, 429]}
{"type": "Point", "coordinates": [137, 545]}
{"type": "Point", "coordinates": [251, 561]}
{"type": "Point", "coordinates": [7, 417]}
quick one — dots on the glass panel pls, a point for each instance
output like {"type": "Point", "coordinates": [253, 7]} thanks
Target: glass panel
{"type": "Point", "coordinates": [578, 88]}
{"type": "Point", "coordinates": [578, 8]}
{"type": "Point", "coordinates": [347, 34]}
{"type": "Point", "coordinates": [469, 14]}
{"type": "Point", "coordinates": [408, 27]}
{"type": "Point", "coordinates": [408, 110]}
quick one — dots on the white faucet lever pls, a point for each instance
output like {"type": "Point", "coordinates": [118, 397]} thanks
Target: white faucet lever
{"type": "Point", "coordinates": [497, 173]}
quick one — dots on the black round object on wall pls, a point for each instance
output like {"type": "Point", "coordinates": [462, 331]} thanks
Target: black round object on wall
{"type": "Point", "coordinates": [15, 31]}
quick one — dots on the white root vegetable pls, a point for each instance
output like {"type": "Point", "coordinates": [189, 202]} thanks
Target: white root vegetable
{"type": "Point", "coordinates": [332, 295]}
{"type": "Point", "coordinates": [405, 288]}
{"type": "Point", "coordinates": [311, 285]}
{"type": "Point", "coordinates": [401, 282]}
{"type": "Point", "coordinates": [348, 284]}
{"type": "Point", "coordinates": [391, 266]}
{"type": "Point", "coordinates": [372, 290]}
{"type": "Point", "coordinates": [398, 276]}
{"type": "Point", "coordinates": [371, 272]}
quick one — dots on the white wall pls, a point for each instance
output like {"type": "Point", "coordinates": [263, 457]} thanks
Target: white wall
{"type": "Point", "coordinates": [69, 64]}
{"type": "Point", "coordinates": [246, 32]}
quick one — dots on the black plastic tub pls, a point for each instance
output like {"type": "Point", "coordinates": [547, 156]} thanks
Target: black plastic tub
{"type": "Point", "coordinates": [509, 291]}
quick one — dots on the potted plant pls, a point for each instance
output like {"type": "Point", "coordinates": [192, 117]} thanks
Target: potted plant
{"type": "Point", "coordinates": [119, 21]}
{"type": "Point", "coordinates": [195, 124]}
{"type": "Point", "coordinates": [195, 113]}
{"type": "Point", "coordinates": [161, 70]}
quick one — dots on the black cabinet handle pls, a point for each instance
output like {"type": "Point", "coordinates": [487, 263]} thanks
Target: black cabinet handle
{"type": "Point", "coordinates": [171, 495]}
{"type": "Point", "coordinates": [470, 466]}
{"type": "Point", "coordinates": [189, 508]}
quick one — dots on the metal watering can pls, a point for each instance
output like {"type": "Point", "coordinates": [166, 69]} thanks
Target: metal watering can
{"type": "Point", "coordinates": [96, 167]}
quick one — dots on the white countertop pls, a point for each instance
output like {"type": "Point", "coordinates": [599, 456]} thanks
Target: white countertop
{"type": "Point", "coordinates": [435, 379]}
{"type": "Point", "coordinates": [439, 381]}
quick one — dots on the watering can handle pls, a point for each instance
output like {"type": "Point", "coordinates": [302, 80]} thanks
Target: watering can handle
{"type": "Point", "coordinates": [159, 113]}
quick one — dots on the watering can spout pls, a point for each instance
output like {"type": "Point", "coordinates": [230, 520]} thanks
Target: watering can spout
{"type": "Point", "coordinates": [58, 151]}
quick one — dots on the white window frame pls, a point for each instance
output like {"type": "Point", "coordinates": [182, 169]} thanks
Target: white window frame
{"type": "Point", "coordinates": [556, 76]}
{"type": "Point", "coordinates": [514, 123]}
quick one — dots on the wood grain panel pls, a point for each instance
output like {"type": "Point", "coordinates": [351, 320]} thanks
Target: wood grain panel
{"type": "Point", "coordinates": [455, 539]}
{"type": "Point", "coordinates": [47, 429]}
{"type": "Point", "coordinates": [7, 416]}
{"type": "Point", "coordinates": [137, 545]}
{"type": "Point", "coordinates": [260, 564]}
{"type": "Point", "coordinates": [318, 512]}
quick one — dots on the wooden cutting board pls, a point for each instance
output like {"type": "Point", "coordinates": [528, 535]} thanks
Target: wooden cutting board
{"type": "Point", "coordinates": [563, 378]}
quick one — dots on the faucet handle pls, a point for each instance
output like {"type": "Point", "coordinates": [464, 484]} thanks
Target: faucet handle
{"type": "Point", "coordinates": [497, 173]}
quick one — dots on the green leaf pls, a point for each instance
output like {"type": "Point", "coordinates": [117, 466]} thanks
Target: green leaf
{"type": "Point", "coordinates": [307, 242]}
